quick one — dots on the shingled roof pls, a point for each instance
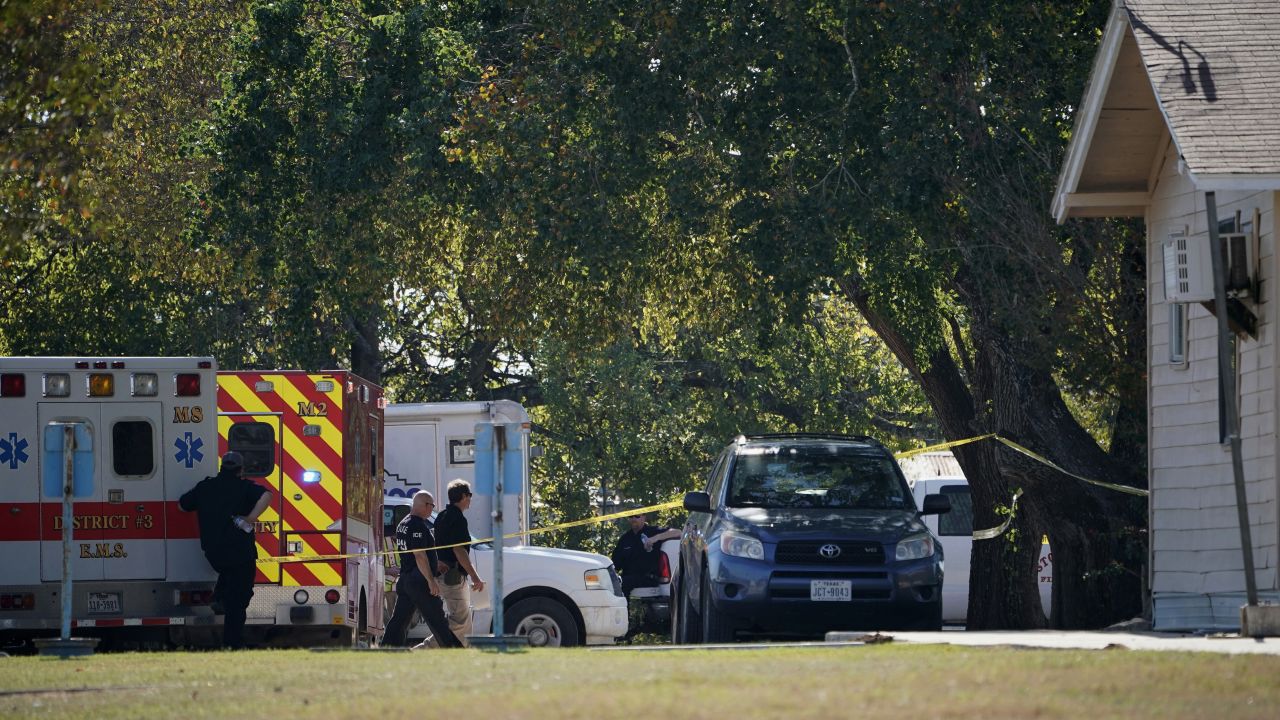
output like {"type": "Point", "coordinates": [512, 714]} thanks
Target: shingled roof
{"type": "Point", "coordinates": [1215, 67]}
{"type": "Point", "coordinates": [1212, 75]}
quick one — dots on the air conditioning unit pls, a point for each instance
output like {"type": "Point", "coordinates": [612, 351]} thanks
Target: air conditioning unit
{"type": "Point", "coordinates": [1188, 269]}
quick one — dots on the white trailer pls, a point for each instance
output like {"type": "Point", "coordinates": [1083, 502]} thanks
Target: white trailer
{"type": "Point", "coordinates": [428, 445]}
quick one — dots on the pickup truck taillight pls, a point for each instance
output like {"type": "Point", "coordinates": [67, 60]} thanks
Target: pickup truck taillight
{"type": "Point", "coordinates": [664, 568]}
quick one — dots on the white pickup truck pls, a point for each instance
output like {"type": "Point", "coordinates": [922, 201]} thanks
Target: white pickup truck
{"type": "Point", "coordinates": [955, 531]}
{"type": "Point", "coordinates": [553, 597]}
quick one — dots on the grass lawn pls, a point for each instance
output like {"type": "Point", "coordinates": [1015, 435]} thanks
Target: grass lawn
{"type": "Point", "coordinates": [891, 680]}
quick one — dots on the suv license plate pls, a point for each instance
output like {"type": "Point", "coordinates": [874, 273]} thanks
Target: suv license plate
{"type": "Point", "coordinates": [102, 603]}
{"type": "Point", "coordinates": [831, 590]}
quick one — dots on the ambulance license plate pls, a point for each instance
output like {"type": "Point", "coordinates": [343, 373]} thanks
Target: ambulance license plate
{"type": "Point", "coordinates": [104, 603]}
{"type": "Point", "coordinates": [831, 590]}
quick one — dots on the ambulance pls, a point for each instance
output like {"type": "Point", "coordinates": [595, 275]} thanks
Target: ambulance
{"type": "Point", "coordinates": [315, 440]}
{"type": "Point", "coordinates": [150, 434]}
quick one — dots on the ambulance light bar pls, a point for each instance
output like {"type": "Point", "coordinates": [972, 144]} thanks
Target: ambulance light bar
{"type": "Point", "coordinates": [13, 385]}
{"type": "Point", "coordinates": [324, 386]}
{"type": "Point", "coordinates": [99, 364]}
{"type": "Point", "coordinates": [186, 384]}
{"type": "Point", "coordinates": [145, 384]}
{"type": "Point", "coordinates": [310, 477]}
{"type": "Point", "coordinates": [57, 385]}
{"type": "Point", "coordinates": [102, 384]}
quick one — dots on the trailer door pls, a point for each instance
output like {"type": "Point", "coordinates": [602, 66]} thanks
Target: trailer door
{"type": "Point", "coordinates": [132, 483]}
{"type": "Point", "coordinates": [87, 535]}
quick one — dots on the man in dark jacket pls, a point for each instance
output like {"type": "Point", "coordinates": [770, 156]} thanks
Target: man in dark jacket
{"type": "Point", "coordinates": [226, 506]}
{"type": "Point", "coordinates": [418, 586]}
{"type": "Point", "coordinates": [454, 537]}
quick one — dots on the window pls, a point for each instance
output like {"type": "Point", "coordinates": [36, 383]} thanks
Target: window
{"type": "Point", "coordinates": [257, 443]}
{"type": "Point", "coordinates": [960, 520]}
{"type": "Point", "coordinates": [462, 451]}
{"type": "Point", "coordinates": [1178, 334]}
{"type": "Point", "coordinates": [715, 481]}
{"type": "Point", "coordinates": [804, 476]}
{"type": "Point", "coordinates": [132, 449]}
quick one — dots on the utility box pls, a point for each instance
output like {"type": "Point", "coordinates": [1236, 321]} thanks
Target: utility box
{"type": "Point", "coordinates": [1188, 268]}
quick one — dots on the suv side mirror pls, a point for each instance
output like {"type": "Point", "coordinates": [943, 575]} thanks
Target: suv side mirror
{"type": "Point", "coordinates": [700, 502]}
{"type": "Point", "coordinates": [935, 504]}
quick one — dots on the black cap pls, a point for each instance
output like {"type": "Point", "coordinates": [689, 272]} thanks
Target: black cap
{"type": "Point", "coordinates": [232, 460]}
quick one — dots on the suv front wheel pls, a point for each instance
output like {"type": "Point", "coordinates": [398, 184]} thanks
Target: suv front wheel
{"type": "Point", "coordinates": [716, 627]}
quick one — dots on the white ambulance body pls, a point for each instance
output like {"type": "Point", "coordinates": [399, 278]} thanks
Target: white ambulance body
{"type": "Point", "coordinates": [136, 561]}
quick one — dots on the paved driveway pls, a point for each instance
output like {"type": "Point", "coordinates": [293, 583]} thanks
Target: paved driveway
{"type": "Point", "coordinates": [1085, 640]}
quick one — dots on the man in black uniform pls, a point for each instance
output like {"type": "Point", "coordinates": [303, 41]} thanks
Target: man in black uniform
{"type": "Point", "coordinates": [226, 506]}
{"type": "Point", "coordinates": [637, 562]}
{"type": "Point", "coordinates": [451, 529]}
{"type": "Point", "coordinates": [417, 586]}
{"type": "Point", "coordinates": [634, 557]}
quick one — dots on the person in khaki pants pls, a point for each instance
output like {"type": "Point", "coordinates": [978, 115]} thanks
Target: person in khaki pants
{"type": "Point", "coordinates": [451, 529]}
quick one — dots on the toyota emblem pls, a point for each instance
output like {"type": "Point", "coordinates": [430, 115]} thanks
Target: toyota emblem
{"type": "Point", "coordinates": [829, 551]}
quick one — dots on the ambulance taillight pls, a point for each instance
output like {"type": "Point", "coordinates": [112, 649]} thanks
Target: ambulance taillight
{"type": "Point", "coordinates": [13, 385]}
{"type": "Point", "coordinates": [187, 384]}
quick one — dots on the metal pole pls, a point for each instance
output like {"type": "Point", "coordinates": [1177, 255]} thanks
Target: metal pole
{"type": "Point", "coordinates": [68, 487]}
{"type": "Point", "coordinates": [1227, 385]}
{"type": "Point", "coordinates": [499, 445]}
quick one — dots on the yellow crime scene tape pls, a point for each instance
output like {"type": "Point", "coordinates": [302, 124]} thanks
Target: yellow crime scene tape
{"type": "Point", "coordinates": [536, 531]}
{"type": "Point", "coordinates": [1000, 529]}
{"type": "Point", "coordinates": [986, 534]}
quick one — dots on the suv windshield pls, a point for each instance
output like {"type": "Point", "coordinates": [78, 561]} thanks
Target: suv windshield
{"type": "Point", "coordinates": [814, 475]}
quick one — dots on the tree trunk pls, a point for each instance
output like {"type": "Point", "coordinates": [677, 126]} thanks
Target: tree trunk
{"type": "Point", "coordinates": [1088, 526]}
{"type": "Point", "coordinates": [366, 361]}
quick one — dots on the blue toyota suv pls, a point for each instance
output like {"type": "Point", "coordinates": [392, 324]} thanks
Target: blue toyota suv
{"type": "Point", "coordinates": [800, 534]}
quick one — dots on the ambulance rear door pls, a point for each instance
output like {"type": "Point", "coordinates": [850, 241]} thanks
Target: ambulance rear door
{"type": "Point", "coordinates": [86, 564]}
{"type": "Point", "coordinates": [258, 437]}
{"type": "Point", "coordinates": [131, 473]}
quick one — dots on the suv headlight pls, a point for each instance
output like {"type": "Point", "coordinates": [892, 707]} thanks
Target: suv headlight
{"type": "Point", "coordinates": [739, 545]}
{"type": "Point", "coordinates": [914, 547]}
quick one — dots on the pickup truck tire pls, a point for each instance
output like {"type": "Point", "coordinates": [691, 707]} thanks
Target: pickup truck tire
{"type": "Point", "coordinates": [685, 625]}
{"type": "Point", "coordinates": [544, 621]}
{"type": "Point", "coordinates": [716, 628]}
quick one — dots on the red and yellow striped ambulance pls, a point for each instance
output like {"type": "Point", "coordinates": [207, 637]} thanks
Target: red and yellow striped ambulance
{"type": "Point", "coordinates": [315, 440]}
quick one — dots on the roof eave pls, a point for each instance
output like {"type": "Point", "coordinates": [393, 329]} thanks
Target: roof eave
{"type": "Point", "coordinates": [1090, 109]}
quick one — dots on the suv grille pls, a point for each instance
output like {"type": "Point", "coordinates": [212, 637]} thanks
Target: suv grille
{"type": "Point", "coordinates": [809, 552]}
